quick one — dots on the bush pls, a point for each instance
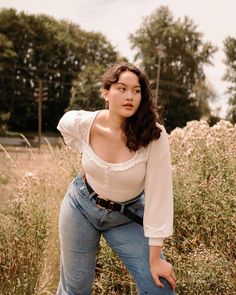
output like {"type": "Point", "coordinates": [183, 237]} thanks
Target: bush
{"type": "Point", "coordinates": [204, 166]}
{"type": "Point", "coordinates": [202, 248]}
{"type": "Point", "coordinates": [205, 271]}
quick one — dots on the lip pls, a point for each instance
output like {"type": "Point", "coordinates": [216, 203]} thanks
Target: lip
{"type": "Point", "coordinates": [129, 105]}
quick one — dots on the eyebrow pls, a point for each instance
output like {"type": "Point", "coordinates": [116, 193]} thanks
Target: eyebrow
{"type": "Point", "coordinates": [127, 85]}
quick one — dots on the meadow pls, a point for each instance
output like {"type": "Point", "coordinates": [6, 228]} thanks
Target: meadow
{"type": "Point", "coordinates": [202, 248]}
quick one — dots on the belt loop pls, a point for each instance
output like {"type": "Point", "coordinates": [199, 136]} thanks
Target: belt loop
{"type": "Point", "coordinates": [122, 209]}
{"type": "Point", "coordinates": [91, 195]}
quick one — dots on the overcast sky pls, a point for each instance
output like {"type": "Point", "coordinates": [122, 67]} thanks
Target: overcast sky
{"type": "Point", "coordinates": [116, 19]}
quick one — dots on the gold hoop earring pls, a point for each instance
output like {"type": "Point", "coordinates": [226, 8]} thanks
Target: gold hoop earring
{"type": "Point", "coordinates": [106, 105]}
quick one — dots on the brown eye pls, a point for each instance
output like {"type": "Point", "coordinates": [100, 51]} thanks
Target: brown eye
{"type": "Point", "coordinates": [122, 89]}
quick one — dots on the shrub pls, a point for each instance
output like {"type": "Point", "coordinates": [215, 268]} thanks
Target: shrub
{"type": "Point", "coordinates": [202, 248]}
{"type": "Point", "coordinates": [204, 166]}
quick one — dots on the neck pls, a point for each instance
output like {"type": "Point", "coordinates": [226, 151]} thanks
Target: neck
{"type": "Point", "coordinates": [114, 124]}
{"type": "Point", "coordinates": [114, 121]}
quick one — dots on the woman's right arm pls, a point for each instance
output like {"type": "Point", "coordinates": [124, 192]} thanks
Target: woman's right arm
{"type": "Point", "coordinates": [69, 128]}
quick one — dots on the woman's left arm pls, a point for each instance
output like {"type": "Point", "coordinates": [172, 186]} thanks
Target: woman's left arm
{"type": "Point", "coordinates": [158, 213]}
{"type": "Point", "coordinates": [161, 268]}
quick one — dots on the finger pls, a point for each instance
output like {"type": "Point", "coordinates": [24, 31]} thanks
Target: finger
{"type": "Point", "coordinates": [173, 276]}
{"type": "Point", "coordinates": [171, 281]}
{"type": "Point", "coordinates": [158, 282]}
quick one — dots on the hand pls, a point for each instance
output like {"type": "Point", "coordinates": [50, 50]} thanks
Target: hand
{"type": "Point", "coordinates": [161, 268]}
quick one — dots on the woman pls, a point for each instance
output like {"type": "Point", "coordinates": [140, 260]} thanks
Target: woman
{"type": "Point", "coordinates": [125, 155]}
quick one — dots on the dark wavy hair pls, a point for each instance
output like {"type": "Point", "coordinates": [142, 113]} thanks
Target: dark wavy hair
{"type": "Point", "coordinates": [141, 128]}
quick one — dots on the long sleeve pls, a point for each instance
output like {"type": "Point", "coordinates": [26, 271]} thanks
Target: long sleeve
{"type": "Point", "coordinates": [69, 126]}
{"type": "Point", "coordinates": [158, 214]}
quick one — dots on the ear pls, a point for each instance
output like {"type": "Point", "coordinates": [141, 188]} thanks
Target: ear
{"type": "Point", "coordinates": [105, 94]}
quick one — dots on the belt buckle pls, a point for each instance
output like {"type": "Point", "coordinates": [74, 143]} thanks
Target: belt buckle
{"type": "Point", "coordinates": [109, 207]}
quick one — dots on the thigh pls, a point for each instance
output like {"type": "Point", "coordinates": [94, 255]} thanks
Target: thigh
{"type": "Point", "coordinates": [79, 242]}
{"type": "Point", "coordinates": [132, 247]}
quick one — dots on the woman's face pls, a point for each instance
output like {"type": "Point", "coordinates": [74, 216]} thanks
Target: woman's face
{"type": "Point", "coordinates": [124, 96]}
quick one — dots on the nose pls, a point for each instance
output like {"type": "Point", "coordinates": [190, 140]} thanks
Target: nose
{"type": "Point", "coordinates": [130, 96]}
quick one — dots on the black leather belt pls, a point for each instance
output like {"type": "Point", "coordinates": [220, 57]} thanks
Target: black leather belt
{"type": "Point", "coordinates": [112, 206]}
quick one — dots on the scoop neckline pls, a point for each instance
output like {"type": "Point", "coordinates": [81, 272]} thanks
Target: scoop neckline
{"type": "Point", "coordinates": [99, 158]}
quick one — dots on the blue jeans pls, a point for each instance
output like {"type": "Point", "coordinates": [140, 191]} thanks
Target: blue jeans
{"type": "Point", "coordinates": [81, 224]}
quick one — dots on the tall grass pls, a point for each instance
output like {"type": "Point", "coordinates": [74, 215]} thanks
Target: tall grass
{"type": "Point", "coordinates": [204, 244]}
{"type": "Point", "coordinates": [202, 248]}
{"type": "Point", "coordinates": [32, 186]}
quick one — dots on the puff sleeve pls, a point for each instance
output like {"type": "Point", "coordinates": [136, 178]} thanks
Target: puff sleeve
{"type": "Point", "coordinates": [158, 213]}
{"type": "Point", "coordinates": [69, 126]}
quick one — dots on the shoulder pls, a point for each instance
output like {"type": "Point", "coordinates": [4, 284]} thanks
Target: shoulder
{"type": "Point", "coordinates": [73, 120]}
{"type": "Point", "coordinates": [85, 117]}
{"type": "Point", "coordinates": [161, 145]}
{"type": "Point", "coordinates": [78, 115]}
{"type": "Point", "coordinates": [76, 118]}
{"type": "Point", "coordinates": [162, 127]}
{"type": "Point", "coordinates": [74, 126]}
{"type": "Point", "coordinates": [163, 134]}
{"type": "Point", "coordinates": [100, 120]}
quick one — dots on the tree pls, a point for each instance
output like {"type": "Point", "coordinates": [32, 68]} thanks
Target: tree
{"type": "Point", "coordinates": [48, 50]}
{"type": "Point", "coordinates": [7, 55]}
{"type": "Point", "coordinates": [86, 90]}
{"type": "Point", "coordinates": [204, 94]}
{"type": "Point", "coordinates": [230, 75]}
{"type": "Point", "coordinates": [181, 68]}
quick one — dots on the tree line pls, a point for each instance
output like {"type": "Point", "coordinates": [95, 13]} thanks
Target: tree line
{"type": "Point", "coordinates": [69, 62]}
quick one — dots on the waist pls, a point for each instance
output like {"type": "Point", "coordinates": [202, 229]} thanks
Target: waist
{"type": "Point", "coordinates": [108, 204]}
{"type": "Point", "coordinates": [123, 208]}
{"type": "Point", "coordinates": [115, 192]}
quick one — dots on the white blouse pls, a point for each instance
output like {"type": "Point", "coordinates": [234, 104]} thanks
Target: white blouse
{"type": "Point", "coordinates": [149, 170]}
